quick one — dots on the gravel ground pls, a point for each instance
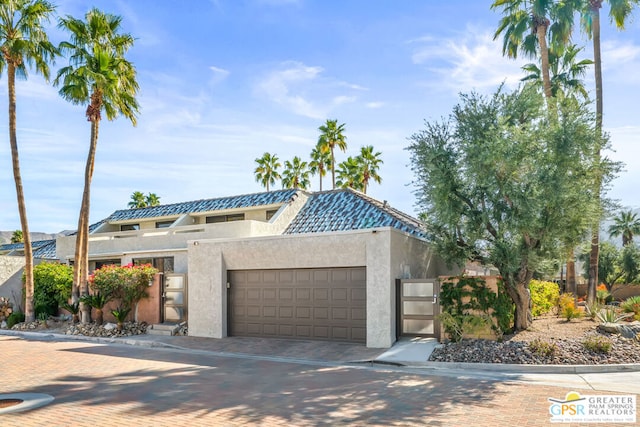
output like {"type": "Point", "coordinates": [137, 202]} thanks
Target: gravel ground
{"type": "Point", "coordinates": [549, 340]}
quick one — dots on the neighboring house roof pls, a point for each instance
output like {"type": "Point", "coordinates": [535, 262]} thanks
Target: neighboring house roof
{"type": "Point", "coordinates": [206, 205]}
{"type": "Point", "coordinates": [343, 210]}
{"type": "Point", "coordinates": [42, 249]}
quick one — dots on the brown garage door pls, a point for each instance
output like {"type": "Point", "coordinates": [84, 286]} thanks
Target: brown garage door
{"type": "Point", "coordinates": [326, 304]}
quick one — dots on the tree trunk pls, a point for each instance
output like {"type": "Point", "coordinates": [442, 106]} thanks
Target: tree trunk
{"type": "Point", "coordinates": [99, 316]}
{"type": "Point", "coordinates": [571, 274]}
{"type": "Point", "coordinates": [519, 293]}
{"type": "Point", "coordinates": [333, 169]}
{"type": "Point", "coordinates": [82, 242]}
{"type": "Point", "coordinates": [29, 312]}
{"type": "Point", "coordinates": [595, 238]}
{"type": "Point", "coordinates": [541, 33]}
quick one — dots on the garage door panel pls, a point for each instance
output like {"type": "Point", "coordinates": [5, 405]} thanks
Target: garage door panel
{"type": "Point", "coordinates": [304, 303]}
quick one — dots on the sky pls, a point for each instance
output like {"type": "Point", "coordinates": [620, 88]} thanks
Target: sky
{"type": "Point", "coordinates": [224, 81]}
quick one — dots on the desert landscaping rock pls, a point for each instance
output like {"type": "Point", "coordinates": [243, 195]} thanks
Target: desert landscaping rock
{"type": "Point", "coordinates": [568, 338]}
{"type": "Point", "coordinates": [89, 329]}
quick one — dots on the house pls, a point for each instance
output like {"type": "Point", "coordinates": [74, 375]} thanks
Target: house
{"type": "Point", "coordinates": [286, 263]}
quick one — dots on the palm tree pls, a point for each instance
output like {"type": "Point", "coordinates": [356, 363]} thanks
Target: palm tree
{"type": "Point", "coordinates": [626, 224]}
{"type": "Point", "coordinates": [17, 237]}
{"type": "Point", "coordinates": [525, 26]}
{"type": "Point", "coordinates": [320, 161]}
{"type": "Point", "coordinates": [332, 136]}
{"type": "Point", "coordinates": [566, 73]}
{"type": "Point", "coordinates": [296, 174]}
{"type": "Point", "coordinates": [99, 76]}
{"type": "Point", "coordinates": [23, 41]}
{"type": "Point", "coordinates": [618, 13]}
{"type": "Point", "coordinates": [137, 200]}
{"type": "Point", "coordinates": [350, 174]}
{"type": "Point", "coordinates": [152, 199]}
{"type": "Point", "coordinates": [267, 170]}
{"type": "Point", "coordinates": [369, 163]}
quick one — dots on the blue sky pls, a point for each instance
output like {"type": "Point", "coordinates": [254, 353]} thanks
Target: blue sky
{"type": "Point", "coordinates": [223, 81]}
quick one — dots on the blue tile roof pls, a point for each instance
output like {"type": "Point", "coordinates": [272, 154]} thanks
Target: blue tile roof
{"type": "Point", "coordinates": [233, 202]}
{"type": "Point", "coordinates": [43, 249]}
{"type": "Point", "coordinates": [343, 210]}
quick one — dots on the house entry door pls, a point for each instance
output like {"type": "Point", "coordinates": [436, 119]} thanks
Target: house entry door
{"type": "Point", "coordinates": [417, 301]}
{"type": "Point", "coordinates": [175, 298]}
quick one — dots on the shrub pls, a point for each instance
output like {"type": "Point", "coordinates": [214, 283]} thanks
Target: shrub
{"type": "Point", "coordinates": [631, 305]}
{"type": "Point", "coordinates": [469, 324]}
{"type": "Point", "coordinates": [571, 312]}
{"type": "Point", "coordinates": [565, 300]}
{"type": "Point", "coordinates": [603, 296]}
{"type": "Point", "coordinates": [542, 348]}
{"type": "Point", "coordinates": [15, 318]}
{"type": "Point", "coordinates": [544, 296]}
{"type": "Point", "coordinates": [591, 310]}
{"type": "Point", "coordinates": [51, 287]}
{"type": "Point", "coordinates": [597, 344]}
{"type": "Point", "coordinates": [126, 283]}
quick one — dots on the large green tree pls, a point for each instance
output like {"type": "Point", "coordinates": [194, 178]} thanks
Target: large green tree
{"type": "Point", "coordinates": [266, 171]}
{"type": "Point", "coordinates": [503, 183]}
{"type": "Point", "coordinates": [619, 12]}
{"type": "Point", "coordinates": [23, 43]}
{"type": "Point", "coordinates": [350, 174]}
{"type": "Point", "coordinates": [100, 77]}
{"type": "Point", "coordinates": [137, 200]}
{"type": "Point", "coordinates": [296, 174]}
{"type": "Point", "coordinates": [332, 137]}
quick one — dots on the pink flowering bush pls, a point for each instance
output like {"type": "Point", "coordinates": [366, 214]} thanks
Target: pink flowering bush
{"type": "Point", "coordinates": [127, 283]}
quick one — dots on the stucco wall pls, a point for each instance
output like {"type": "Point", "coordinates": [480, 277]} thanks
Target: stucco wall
{"type": "Point", "coordinates": [11, 279]}
{"type": "Point", "coordinates": [209, 261]}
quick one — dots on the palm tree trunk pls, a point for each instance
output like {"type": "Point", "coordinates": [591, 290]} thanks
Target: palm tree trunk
{"type": "Point", "coordinates": [22, 209]}
{"type": "Point", "coordinates": [571, 275]}
{"type": "Point", "coordinates": [82, 243]}
{"type": "Point", "coordinates": [595, 238]}
{"type": "Point", "coordinates": [541, 33]}
{"type": "Point", "coordinates": [333, 169]}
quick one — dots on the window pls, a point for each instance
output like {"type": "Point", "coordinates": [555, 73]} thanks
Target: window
{"type": "Point", "coordinates": [163, 264]}
{"type": "Point", "coordinates": [102, 263]}
{"type": "Point", "coordinates": [129, 227]}
{"type": "Point", "coordinates": [224, 218]}
{"type": "Point", "coordinates": [163, 224]}
{"type": "Point", "coordinates": [271, 213]}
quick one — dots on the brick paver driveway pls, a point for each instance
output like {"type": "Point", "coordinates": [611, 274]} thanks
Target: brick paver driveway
{"type": "Point", "coordinates": [107, 385]}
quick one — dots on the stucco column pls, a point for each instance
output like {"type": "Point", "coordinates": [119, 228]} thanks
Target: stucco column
{"type": "Point", "coordinates": [207, 291]}
{"type": "Point", "coordinates": [380, 311]}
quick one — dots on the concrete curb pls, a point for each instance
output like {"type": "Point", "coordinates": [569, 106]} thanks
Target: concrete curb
{"type": "Point", "coordinates": [435, 366]}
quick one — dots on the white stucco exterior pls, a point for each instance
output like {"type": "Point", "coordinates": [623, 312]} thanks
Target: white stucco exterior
{"type": "Point", "coordinates": [386, 253]}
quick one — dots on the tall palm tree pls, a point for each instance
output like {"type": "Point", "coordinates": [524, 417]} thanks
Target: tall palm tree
{"type": "Point", "coordinates": [618, 13]}
{"type": "Point", "coordinates": [296, 174]}
{"type": "Point", "coordinates": [625, 224]}
{"type": "Point", "coordinates": [331, 137]}
{"type": "Point", "coordinates": [566, 73]}
{"type": "Point", "coordinates": [137, 200]}
{"type": "Point", "coordinates": [152, 199]}
{"type": "Point", "coordinates": [267, 170]}
{"type": "Point", "coordinates": [23, 41]}
{"type": "Point", "coordinates": [320, 161]}
{"type": "Point", "coordinates": [525, 27]}
{"type": "Point", "coordinates": [369, 163]}
{"type": "Point", "coordinates": [98, 76]}
{"type": "Point", "coordinates": [350, 174]}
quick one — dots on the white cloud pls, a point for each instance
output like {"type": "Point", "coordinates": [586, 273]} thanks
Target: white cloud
{"type": "Point", "coordinates": [281, 85]}
{"type": "Point", "coordinates": [374, 104]}
{"type": "Point", "coordinates": [218, 74]}
{"type": "Point", "coordinates": [342, 99]}
{"type": "Point", "coordinates": [470, 60]}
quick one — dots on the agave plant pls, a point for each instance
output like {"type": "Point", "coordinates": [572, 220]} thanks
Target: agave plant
{"type": "Point", "coordinates": [120, 314]}
{"type": "Point", "coordinates": [610, 315]}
